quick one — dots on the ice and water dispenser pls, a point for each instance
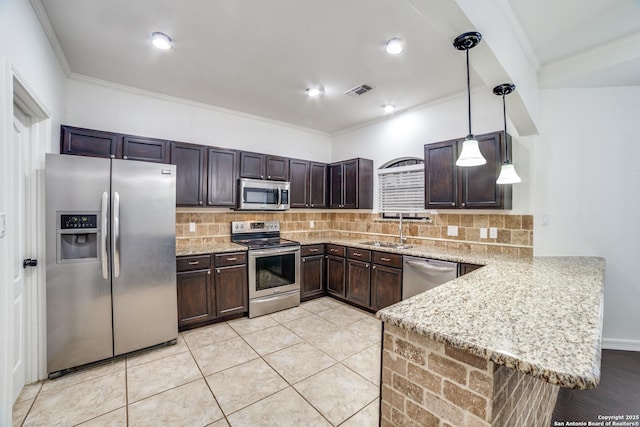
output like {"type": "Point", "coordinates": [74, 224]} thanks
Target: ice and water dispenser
{"type": "Point", "coordinates": [78, 237]}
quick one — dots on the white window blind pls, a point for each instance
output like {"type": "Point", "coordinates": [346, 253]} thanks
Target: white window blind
{"type": "Point", "coordinates": [401, 189]}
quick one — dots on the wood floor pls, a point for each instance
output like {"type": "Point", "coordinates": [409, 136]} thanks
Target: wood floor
{"type": "Point", "coordinates": [617, 394]}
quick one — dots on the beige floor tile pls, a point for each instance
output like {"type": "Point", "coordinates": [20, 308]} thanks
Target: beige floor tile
{"type": "Point", "coordinates": [272, 339]}
{"type": "Point", "coordinates": [342, 315]}
{"type": "Point", "coordinates": [108, 368]}
{"type": "Point", "coordinates": [244, 325]}
{"type": "Point", "coordinates": [20, 409]}
{"type": "Point", "coordinates": [283, 409]}
{"type": "Point", "coordinates": [337, 392]}
{"type": "Point", "coordinates": [208, 335]}
{"type": "Point", "coordinates": [223, 355]}
{"type": "Point", "coordinates": [157, 353]}
{"type": "Point", "coordinates": [245, 384]}
{"type": "Point", "coordinates": [117, 418]}
{"type": "Point", "coordinates": [298, 362]}
{"type": "Point", "coordinates": [80, 402]}
{"type": "Point", "coordinates": [188, 405]}
{"type": "Point", "coordinates": [366, 363]}
{"type": "Point", "coordinates": [368, 328]}
{"type": "Point", "coordinates": [340, 344]}
{"type": "Point", "coordinates": [310, 326]}
{"type": "Point", "coordinates": [320, 304]}
{"type": "Point", "coordinates": [30, 391]}
{"type": "Point", "coordinates": [290, 314]}
{"type": "Point", "coordinates": [367, 417]}
{"type": "Point", "coordinates": [160, 375]}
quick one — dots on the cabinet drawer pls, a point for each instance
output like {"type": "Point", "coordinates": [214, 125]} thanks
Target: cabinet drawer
{"type": "Point", "coordinates": [231, 258]}
{"type": "Point", "coordinates": [359, 254]}
{"type": "Point", "coordinates": [335, 250]}
{"type": "Point", "coordinates": [309, 250]}
{"type": "Point", "coordinates": [392, 260]}
{"type": "Point", "coordinates": [200, 262]}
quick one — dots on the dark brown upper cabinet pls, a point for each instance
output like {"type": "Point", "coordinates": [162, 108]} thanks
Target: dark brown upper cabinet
{"type": "Point", "coordinates": [145, 149]}
{"type": "Point", "coordinates": [263, 166]}
{"type": "Point", "coordinates": [351, 184]}
{"type": "Point", "coordinates": [308, 184]}
{"type": "Point", "coordinates": [222, 176]}
{"type": "Point", "coordinates": [190, 173]}
{"type": "Point", "coordinates": [448, 186]}
{"type": "Point", "coordinates": [87, 142]}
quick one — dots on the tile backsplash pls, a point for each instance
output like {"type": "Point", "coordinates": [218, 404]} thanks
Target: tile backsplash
{"type": "Point", "coordinates": [514, 232]}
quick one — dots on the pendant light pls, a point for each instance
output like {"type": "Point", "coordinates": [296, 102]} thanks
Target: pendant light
{"type": "Point", "coordinates": [508, 174]}
{"type": "Point", "coordinates": [470, 154]}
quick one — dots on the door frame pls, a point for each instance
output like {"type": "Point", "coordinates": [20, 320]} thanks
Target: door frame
{"type": "Point", "coordinates": [15, 90]}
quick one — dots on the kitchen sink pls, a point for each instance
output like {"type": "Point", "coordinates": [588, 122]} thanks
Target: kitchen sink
{"type": "Point", "coordinates": [388, 245]}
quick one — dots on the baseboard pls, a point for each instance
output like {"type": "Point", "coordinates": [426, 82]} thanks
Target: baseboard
{"type": "Point", "coordinates": [619, 344]}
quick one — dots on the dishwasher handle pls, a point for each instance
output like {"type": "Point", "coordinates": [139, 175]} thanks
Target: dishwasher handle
{"type": "Point", "coordinates": [429, 267]}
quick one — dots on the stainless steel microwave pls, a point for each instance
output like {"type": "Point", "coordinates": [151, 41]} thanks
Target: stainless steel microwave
{"type": "Point", "coordinates": [260, 195]}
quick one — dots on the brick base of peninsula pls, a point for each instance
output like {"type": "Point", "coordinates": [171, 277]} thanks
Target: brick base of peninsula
{"type": "Point", "coordinates": [427, 383]}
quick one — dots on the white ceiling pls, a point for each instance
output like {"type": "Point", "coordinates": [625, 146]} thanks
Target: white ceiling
{"type": "Point", "coordinates": [258, 57]}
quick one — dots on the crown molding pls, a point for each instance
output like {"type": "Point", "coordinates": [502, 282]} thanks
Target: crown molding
{"type": "Point", "coordinates": [43, 17]}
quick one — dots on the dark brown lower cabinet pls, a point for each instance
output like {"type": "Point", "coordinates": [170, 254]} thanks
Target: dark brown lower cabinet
{"type": "Point", "coordinates": [195, 290]}
{"type": "Point", "coordinates": [312, 271]}
{"type": "Point", "coordinates": [386, 286]}
{"type": "Point", "coordinates": [231, 285]}
{"type": "Point", "coordinates": [359, 282]}
{"type": "Point", "coordinates": [335, 275]}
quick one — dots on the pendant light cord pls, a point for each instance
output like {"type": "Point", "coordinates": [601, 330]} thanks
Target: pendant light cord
{"type": "Point", "coordinates": [506, 143]}
{"type": "Point", "coordinates": [468, 90]}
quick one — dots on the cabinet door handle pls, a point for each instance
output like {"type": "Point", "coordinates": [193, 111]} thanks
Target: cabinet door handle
{"type": "Point", "coordinates": [357, 254]}
{"type": "Point", "coordinates": [385, 259]}
{"type": "Point", "coordinates": [304, 260]}
{"type": "Point", "coordinates": [261, 176]}
{"type": "Point", "coordinates": [209, 272]}
{"type": "Point", "coordinates": [200, 203]}
{"type": "Point", "coordinates": [194, 262]}
{"type": "Point", "coordinates": [269, 176]}
{"type": "Point", "coordinates": [374, 267]}
{"type": "Point", "coordinates": [306, 205]}
{"type": "Point", "coordinates": [232, 259]}
{"type": "Point", "coordinates": [453, 203]}
{"type": "Point", "coordinates": [218, 271]}
{"type": "Point", "coordinates": [313, 250]}
{"type": "Point", "coordinates": [311, 204]}
{"type": "Point", "coordinates": [125, 157]}
{"type": "Point", "coordinates": [464, 204]}
{"type": "Point", "coordinates": [366, 265]}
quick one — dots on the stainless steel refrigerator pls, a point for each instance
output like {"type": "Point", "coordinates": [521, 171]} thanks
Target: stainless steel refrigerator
{"type": "Point", "coordinates": [111, 275]}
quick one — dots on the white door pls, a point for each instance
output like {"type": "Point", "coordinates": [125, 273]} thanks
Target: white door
{"type": "Point", "coordinates": [19, 221]}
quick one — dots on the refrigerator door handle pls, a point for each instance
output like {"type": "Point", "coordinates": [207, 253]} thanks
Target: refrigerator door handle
{"type": "Point", "coordinates": [115, 233]}
{"type": "Point", "coordinates": [104, 256]}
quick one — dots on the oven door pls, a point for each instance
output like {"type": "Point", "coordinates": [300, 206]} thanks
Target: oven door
{"type": "Point", "coordinates": [274, 271]}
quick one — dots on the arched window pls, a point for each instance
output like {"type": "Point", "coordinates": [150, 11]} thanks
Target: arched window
{"type": "Point", "coordinates": [401, 188]}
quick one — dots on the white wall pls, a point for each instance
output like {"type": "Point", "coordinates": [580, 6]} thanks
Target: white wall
{"type": "Point", "coordinates": [404, 135]}
{"type": "Point", "coordinates": [99, 105]}
{"type": "Point", "coordinates": [26, 52]}
{"type": "Point", "coordinates": [587, 180]}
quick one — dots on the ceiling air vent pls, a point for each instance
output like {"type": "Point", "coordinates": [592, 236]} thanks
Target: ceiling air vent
{"type": "Point", "coordinates": [358, 90]}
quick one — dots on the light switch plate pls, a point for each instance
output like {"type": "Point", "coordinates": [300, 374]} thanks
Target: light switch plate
{"type": "Point", "coordinates": [452, 230]}
{"type": "Point", "coordinates": [493, 232]}
{"type": "Point", "coordinates": [192, 227]}
{"type": "Point", "coordinates": [483, 233]}
{"type": "Point", "coordinates": [3, 224]}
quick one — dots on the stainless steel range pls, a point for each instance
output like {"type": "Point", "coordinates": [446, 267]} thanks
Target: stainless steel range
{"type": "Point", "coordinates": [274, 266]}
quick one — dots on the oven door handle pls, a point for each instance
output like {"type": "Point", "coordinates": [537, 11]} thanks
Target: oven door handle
{"type": "Point", "coordinates": [274, 251]}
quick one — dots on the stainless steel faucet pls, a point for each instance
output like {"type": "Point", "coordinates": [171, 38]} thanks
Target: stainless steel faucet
{"type": "Point", "coordinates": [402, 238]}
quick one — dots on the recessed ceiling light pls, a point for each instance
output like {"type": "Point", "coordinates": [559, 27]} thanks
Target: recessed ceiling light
{"type": "Point", "coordinates": [313, 91]}
{"type": "Point", "coordinates": [394, 46]}
{"type": "Point", "coordinates": [389, 108]}
{"type": "Point", "coordinates": [161, 40]}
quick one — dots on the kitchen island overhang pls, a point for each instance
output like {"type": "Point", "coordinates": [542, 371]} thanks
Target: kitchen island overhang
{"type": "Point", "coordinates": [492, 347]}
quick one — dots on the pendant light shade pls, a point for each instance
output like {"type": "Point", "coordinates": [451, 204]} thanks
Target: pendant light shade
{"type": "Point", "coordinates": [470, 154]}
{"type": "Point", "coordinates": [508, 174]}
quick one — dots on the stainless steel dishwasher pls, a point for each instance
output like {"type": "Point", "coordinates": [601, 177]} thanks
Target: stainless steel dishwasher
{"type": "Point", "coordinates": [422, 274]}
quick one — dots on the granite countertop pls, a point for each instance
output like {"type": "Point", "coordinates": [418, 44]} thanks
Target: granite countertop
{"type": "Point", "coordinates": [542, 317]}
{"type": "Point", "coordinates": [210, 248]}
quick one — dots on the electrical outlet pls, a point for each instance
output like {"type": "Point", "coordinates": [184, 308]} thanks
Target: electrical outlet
{"type": "Point", "coordinates": [192, 227]}
{"type": "Point", "coordinates": [452, 230]}
{"type": "Point", "coordinates": [483, 233]}
{"type": "Point", "coordinates": [493, 232]}
{"type": "Point", "coordinates": [312, 224]}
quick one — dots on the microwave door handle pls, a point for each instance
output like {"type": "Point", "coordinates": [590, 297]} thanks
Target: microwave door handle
{"type": "Point", "coordinates": [279, 197]}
